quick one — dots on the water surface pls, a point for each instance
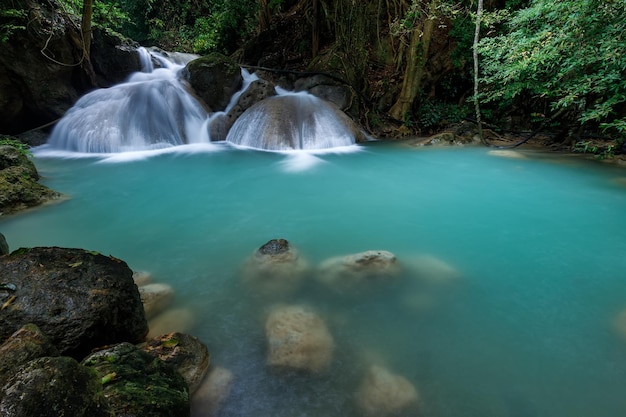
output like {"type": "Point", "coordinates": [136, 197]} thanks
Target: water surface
{"type": "Point", "coordinates": [524, 331]}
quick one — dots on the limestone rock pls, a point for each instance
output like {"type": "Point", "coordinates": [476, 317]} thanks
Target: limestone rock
{"type": "Point", "coordinates": [214, 78]}
{"type": "Point", "coordinates": [188, 355]}
{"type": "Point", "coordinates": [24, 345]}
{"type": "Point", "coordinates": [276, 268]}
{"type": "Point", "coordinates": [298, 339]}
{"type": "Point", "coordinates": [155, 298]}
{"type": "Point", "coordinates": [213, 392]}
{"type": "Point", "coordinates": [18, 182]}
{"type": "Point", "coordinates": [53, 387]}
{"type": "Point", "coordinates": [81, 300]}
{"type": "Point", "coordinates": [136, 384]}
{"type": "Point", "coordinates": [384, 394]}
{"type": "Point", "coordinates": [171, 320]}
{"type": "Point", "coordinates": [356, 271]}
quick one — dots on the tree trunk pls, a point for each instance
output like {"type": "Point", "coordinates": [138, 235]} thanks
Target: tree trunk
{"type": "Point", "coordinates": [86, 27]}
{"type": "Point", "coordinates": [415, 66]}
{"type": "Point", "coordinates": [479, 13]}
{"type": "Point", "coordinates": [264, 15]}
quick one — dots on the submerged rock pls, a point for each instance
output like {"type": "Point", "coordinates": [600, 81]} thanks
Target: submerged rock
{"type": "Point", "coordinates": [136, 384]}
{"type": "Point", "coordinates": [507, 153]}
{"type": "Point", "coordinates": [298, 339]}
{"type": "Point", "coordinates": [81, 300]}
{"type": "Point", "coordinates": [355, 271]}
{"type": "Point", "coordinates": [212, 393]}
{"type": "Point", "coordinates": [276, 268]}
{"type": "Point", "coordinates": [215, 78]}
{"type": "Point", "coordinates": [619, 323]}
{"type": "Point", "coordinates": [155, 298]}
{"type": "Point", "coordinates": [384, 394]}
{"type": "Point", "coordinates": [19, 188]}
{"type": "Point", "coordinates": [24, 345]}
{"type": "Point", "coordinates": [171, 320]}
{"type": "Point", "coordinates": [142, 278]}
{"type": "Point", "coordinates": [53, 387]}
{"type": "Point", "coordinates": [432, 270]}
{"type": "Point", "coordinates": [188, 355]}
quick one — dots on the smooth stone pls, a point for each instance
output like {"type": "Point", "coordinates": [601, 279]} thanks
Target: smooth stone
{"type": "Point", "coordinates": [348, 272]}
{"type": "Point", "coordinates": [384, 394]}
{"type": "Point", "coordinates": [298, 339]}
{"type": "Point", "coordinates": [212, 393]}
{"type": "Point", "coordinates": [155, 298]}
{"type": "Point", "coordinates": [171, 320]}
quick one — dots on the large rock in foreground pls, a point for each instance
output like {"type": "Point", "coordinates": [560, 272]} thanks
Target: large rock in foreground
{"type": "Point", "coordinates": [136, 384]}
{"type": "Point", "coordinates": [53, 387]}
{"type": "Point", "coordinates": [81, 300]}
{"type": "Point", "coordinates": [18, 182]}
{"type": "Point", "coordinates": [298, 339]}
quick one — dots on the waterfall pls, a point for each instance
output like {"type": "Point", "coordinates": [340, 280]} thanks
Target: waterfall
{"type": "Point", "coordinates": [292, 121]}
{"type": "Point", "coordinates": [150, 110]}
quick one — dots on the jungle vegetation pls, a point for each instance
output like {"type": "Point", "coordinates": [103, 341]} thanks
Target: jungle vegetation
{"type": "Point", "coordinates": [558, 66]}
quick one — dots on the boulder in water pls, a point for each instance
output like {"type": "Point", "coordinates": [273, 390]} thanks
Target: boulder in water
{"type": "Point", "coordinates": [356, 271]}
{"type": "Point", "coordinates": [298, 339]}
{"type": "Point", "coordinates": [214, 78]}
{"type": "Point", "coordinates": [276, 268]}
{"type": "Point", "coordinates": [80, 299]}
{"type": "Point", "coordinates": [212, 393]}
{"type": "Point", "coordinates": [136, 384]}
{"type": "Point", "coordinates": [188, 355]}
{"type": "Point", "coordinates": [52, 387]}
{"type": "Point", "coordinates": [293, 121]}
{"type": "Point", "coordinates": [384, 394]}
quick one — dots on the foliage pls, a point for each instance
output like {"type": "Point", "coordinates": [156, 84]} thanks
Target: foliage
{"type": "Point", "coordinates": [11, 20]}
{"type": "Point", "coordinates": [570, 54]}
{"type": "Point", "coordinates": [23, 148]}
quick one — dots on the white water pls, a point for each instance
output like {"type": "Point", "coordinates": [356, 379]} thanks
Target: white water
{"type": "Point", "coordinates": [153, 110]}
{"type": "Point", "coordinates": [526, 330]}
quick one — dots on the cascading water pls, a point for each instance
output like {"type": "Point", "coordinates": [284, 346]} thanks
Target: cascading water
{"type": "Point", "coordinates": [292, 121]}
{"type": "Point", "coordinates": [151, 110]}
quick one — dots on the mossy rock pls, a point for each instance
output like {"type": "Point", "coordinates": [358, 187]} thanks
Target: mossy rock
{"type": "Point", "coordinates": [215, 78]}
{"type": "Point", "coordinates": [138, 384]}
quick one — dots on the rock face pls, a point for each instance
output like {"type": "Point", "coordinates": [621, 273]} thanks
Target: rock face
{"type": "Point", "coordinates": [298, 339]}
{"type": "Point", "coordinates": [52, 387]}
{"type": "Point", "coordinates": [4, 246]}
{"type": "Point", "coordinates": [188, 355]}
{"type": "Point", "coordinates": [276, 268]}
{"type": "Point", "coordinates": [383, 394]}
{"type": "Point", "coordinates": [81, 300]}
{"type": "Point", "coordinates": [358, 270]}
{"type": "Point", "coordinates": [24, 345]}
{"type": "Point", "coordinates": [18, 182]}
{"type": "Point", "coordinates": [215, 78]}
{"type": "Point", "coordinates": [136, 384]}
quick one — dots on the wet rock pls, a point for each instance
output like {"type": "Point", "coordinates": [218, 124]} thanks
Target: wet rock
{"type": "Point", "coordinates": [298, 339]}
{"type": "Point", "coordinates": [142, 278]}
{"type": "Point", "coordinates": [114, 58]}
{"type": "Point", "coordinates": [215, 78]}
{"type": "Point", "coordinates": [155, 298]}
{"type": "Point", "coordinates": [384, 394]}
{"type": "Point", "coordinates": [24, 345]}
{"type": "Point", "coordinates": [294, 121]}
{"type": "Point", "coordinates": [188, 355]}
{"type": "Point", "coordinates": [257, 90]}
{"type": "Point", "coordinates": [171, 320]}
{"type": "Point", "coordinates": [276, 268]}
{"type": "Point", "coordinates": [80, 299]}
{"type": "Point", "coordinates": [4, 246]}
{"type": "Point", "coordinates": [18, 182]}
{"type": "Point", "coordinates": [136, 384]}
{"type": "Point", "coordinates": [356, 271]}
{"type": "Point", "coordinates": [327, 89]}
{"type": "Point", "coordinates": [213, 393]}
{"type": "Point", "coordinates": [53, 387]}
